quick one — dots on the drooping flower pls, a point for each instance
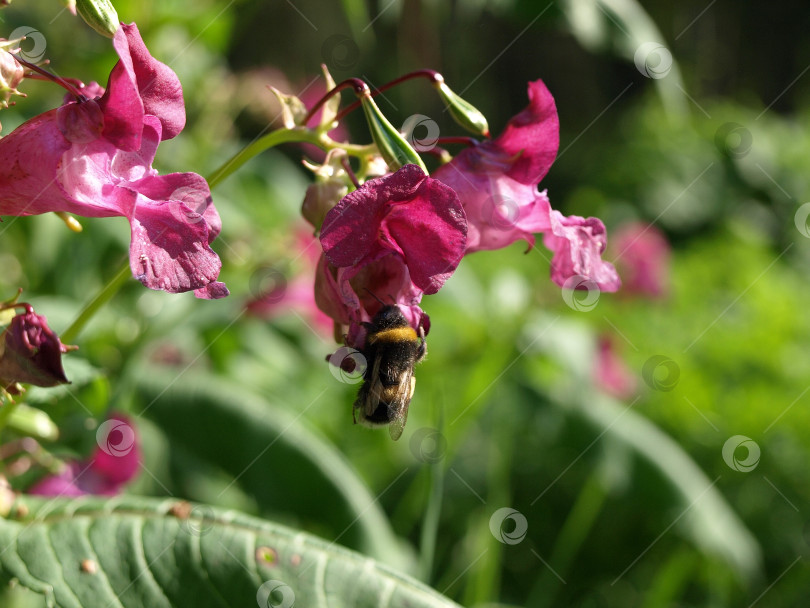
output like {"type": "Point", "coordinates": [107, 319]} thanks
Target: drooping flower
{"type": "Point", "coordinates": [93, 157]}
{"type": "Point", "coordinates": [497, 184]}
{"type": "Point", "coordinates": [396, 237]}
{"type": "Point", "coordinates": [30, 352]}
{"type": "Point", "coordinates": [642, 254]}
{"type": "Point", "coordinates": [114, 462]}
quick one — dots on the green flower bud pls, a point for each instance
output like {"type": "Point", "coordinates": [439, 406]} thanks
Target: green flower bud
{"type": "Point", "coordinates": [293, 110]}
{"type": "Point", "coordinates": [463, 112]}
{"type": "Point", "coordinates": [331, 107]}
{"type": "Point", "coordinates": [396, 152]}
{"type": "Point", "coordinates": [100, 15]}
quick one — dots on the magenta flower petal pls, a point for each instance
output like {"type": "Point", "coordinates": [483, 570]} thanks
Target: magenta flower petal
{"type": "Point", "coordinates": [611, 373]}
{"type": "Point", "coordinates": [642, 254]}
{"type": "Point", "coordinates": [62, 484]}
{"type": "Point", "coordinates": [114, 463]}
{"type": "Point", "coordinates": [169, 248]}
{"type": "Point", "coordinates": [407, 213]}
{"type": "Point", "coordinates": [94, 158]}
{"type": "Point", "coordinates": [534, 135]}
{"type": "Point", "coordinates": [139, 85]}
{"type": "Point", "coordinates": [578, 244]}
{"type": "Point", "coordinates": [118, 456]}
{"type": "Point", "coordinates": [499, 209]}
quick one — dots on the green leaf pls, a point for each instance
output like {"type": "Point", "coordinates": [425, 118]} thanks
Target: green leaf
{"type": "Point", "coordinates": [133, 552]}
{"type": "Point", "coordinates": [274, 456]}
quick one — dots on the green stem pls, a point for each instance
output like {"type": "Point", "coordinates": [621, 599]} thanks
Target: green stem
{"type": "Point", "coordinates": [281, 136]}
{"type": "Point", "coordinates": [430, 524]}
{"type": "Point", "coordinates": [92, 307]}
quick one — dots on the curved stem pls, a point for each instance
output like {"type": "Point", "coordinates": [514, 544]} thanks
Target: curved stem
{"type": "Point", "coordinates": [58, 80]}
{"type": "Point", "coordinates": [431, 75]}
{"type": "Point", "coordinates": [92, 307]}
{"type": "Point", "coordinates": [274, 138]}
{"type": "Point", "coordinates": [360, 88]}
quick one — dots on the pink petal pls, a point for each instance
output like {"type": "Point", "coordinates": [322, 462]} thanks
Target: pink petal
{"type": "Point", "coordinates": [29, 158]}
{"type": "Point", "coordinates": [578, 244]}
{"type": "Point", "coordinates": [405, 212]}
{"type": "Point", "coordinates": [534, 134]}
{"type": "Point", "coordinates": [118, 458]}
{"type": "Point", "coordinates": [140, 85]}
{"type": "Point", "coordinates": [169, 248]}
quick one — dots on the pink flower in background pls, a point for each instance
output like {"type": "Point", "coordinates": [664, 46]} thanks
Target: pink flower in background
{"type": "Point", "coordinates": [93, 157]}
{"type": "Point", "coordinates": [31, 352]}
{"type": "Point", "coordinates": [114, 463]}
{"type": "Point", "coordinates": [497, 184]}
{"type": "Point", "coordinates": [642, 254]}
{"type": "Point", "coordinates": [611, 373]}
{"type": "Point", "coordinates": [275, 293]}
{"type": "Point", "coordinates": [396, 237]}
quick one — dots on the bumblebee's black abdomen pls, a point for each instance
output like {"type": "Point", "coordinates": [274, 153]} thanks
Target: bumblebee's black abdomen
{"type": "Point", "coordinates": [380, 415]}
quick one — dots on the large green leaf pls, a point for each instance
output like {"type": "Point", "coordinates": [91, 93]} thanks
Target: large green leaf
{"type": "Point", "coordinates": [136, 552]}
{"type": "Point", "coordinates": [274, 456]}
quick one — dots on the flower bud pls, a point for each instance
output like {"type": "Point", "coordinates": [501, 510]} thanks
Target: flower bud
{"type": "Point", "coordinates": [464, 113]}
{"type": "Point", "coordinates": [331, 185]}
{"type": "Point", "coordinates": [396, 152]}
{"type": "Point", "coordinates": [293, 110]}
{"type": "Point", "coordinates": [332, 105]}
{"type": "Point", "coordinates": [100, 15]}
{"type": "Point", "coordinates": [31, 352]}
{"type": "Point", "coordinates": [11, 74]}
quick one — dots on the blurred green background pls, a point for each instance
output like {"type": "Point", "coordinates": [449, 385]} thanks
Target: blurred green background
{"type": "Point", "coordinates": [627, 502]}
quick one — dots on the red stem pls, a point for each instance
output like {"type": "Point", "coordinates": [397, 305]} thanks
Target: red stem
{"type": "Point", "coordinates": [70, 88]}
{"type": "Point", "coordinates": [360, 89]}
{"type": "Point", "coordinates": [431, 75]}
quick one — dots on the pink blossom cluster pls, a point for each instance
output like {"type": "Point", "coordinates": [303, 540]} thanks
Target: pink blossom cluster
{"type": "Point", "coordinates": [402, 235]}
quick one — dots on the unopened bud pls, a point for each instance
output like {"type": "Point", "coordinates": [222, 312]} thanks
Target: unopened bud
{"type": "Point", "coordinates": [31, 352]}
{"type": "Point", "coordinates": [293, 110]}
{"type": "Point", "coordinates": [332, 105]}
{"type": "Point", "coordinates": [100, 15]}
{"type": "Point", "coordinates": [11, 75]}
{"type": "Point", "coordinates": [396, 152]}
{"type": "Point", "coordinates": [464, 113]}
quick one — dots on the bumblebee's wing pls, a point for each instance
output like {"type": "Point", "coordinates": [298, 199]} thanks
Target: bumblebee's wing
{"type": "Point", "coordinates": [398, 408]}
{"type": "Point", "coordinates": [373, 388]}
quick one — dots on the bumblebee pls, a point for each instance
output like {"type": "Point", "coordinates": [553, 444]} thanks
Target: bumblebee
{"type": "Point", "coordinates": [392, 349]}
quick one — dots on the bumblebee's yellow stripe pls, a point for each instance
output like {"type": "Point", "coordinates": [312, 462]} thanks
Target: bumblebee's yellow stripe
{"type": "Point", "coordinates": [397, 334]}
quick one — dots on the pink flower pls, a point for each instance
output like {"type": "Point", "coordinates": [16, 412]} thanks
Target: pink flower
{"type": "Point", "coordinates": [611, 373]}
{"type": "Point", "coordinates": [274, 293]}
{"type": "Point", "coordinates": [114, 463]}
{"type": "Point", "coordinates": [398, 236]}
{"type": "Point", "coordinates": [497, 184]}
{"type": "Point", "coordinates": [93, 157]}
{"type": "Point", "coordinates": [642, 254]}
{"type": "Point", "coordinates": [31, 352]}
